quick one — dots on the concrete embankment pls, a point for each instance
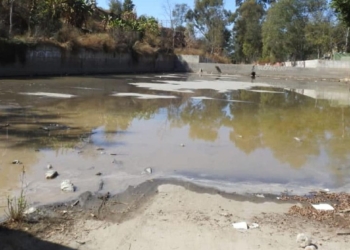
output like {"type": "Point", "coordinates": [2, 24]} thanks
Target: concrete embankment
{"type": "Point", "coordinates": [50, 60]}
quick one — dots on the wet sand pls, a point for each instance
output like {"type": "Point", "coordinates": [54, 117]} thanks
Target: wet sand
{"type": "Point", "coordinates": [168, 214]}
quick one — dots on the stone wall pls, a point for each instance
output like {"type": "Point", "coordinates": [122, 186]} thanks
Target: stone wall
{"type": "Point", "coordinates": [50, 60]}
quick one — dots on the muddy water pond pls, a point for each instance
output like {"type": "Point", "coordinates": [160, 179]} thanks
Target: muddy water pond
{"type": "Point", "coordinates": [270, 135]}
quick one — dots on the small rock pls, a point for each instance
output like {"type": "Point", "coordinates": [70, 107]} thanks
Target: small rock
{"type": "Point", "coordinates": [51, 174]}
{"type": "Point", "coordinates": [182, 145]}
{"type": "Point", "coordinates": [67, 186]}
{"type": "Point", "coordinates": [99, 174]}
{"type": "Point", "coordinates": [30, 211]}
{"type": "Point", "coordinates": [16, 162]}
{"type": "Point", "coordinates": [49, 166]}
{"type": "Point", "coordinates": [311, 247]}
{"type": "Point", "coordinates": [147, 171]}
{"type": "Point", "coordinates": [303, 240]}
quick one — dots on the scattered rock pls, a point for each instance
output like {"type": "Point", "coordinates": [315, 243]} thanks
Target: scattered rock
{"type": "Point", "coordinates": [16, 162]}
{"type": "Point", "coordinates": [147, 171]}
{"type": "Point", "coordinates": [49, 166]}
{"type": "Point", "coordinates": [67, 186]}
{"type": "Point", "coordinates": [99, 174]}
{"type": "Point", "coordinates": [51, 174]}
{"type": "Point", "coordinates": [303, 240]}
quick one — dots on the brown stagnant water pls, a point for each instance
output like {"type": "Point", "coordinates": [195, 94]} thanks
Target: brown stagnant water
{"type": "Point", "coordinates": [269, 135]}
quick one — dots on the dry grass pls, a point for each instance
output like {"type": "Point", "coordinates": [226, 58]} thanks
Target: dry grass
{"type": "Point", "coordinates": [144, 49]}
{"type": "Point", "coordinates": [98, 42]}
{"type": "Point", "coordinates": [16, 207]}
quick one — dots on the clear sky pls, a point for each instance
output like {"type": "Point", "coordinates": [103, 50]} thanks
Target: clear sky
{"type": "Point", "coordinates": [155, 7]}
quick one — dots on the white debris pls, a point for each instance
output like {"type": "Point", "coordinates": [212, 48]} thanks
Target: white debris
{"type": "Point", "coordinates": [16, 162]}
{"type": "Point", "coordinates": [323, 207]}
{"type": "Point", "coordinates": [147, 171]}
{"type": "Point", "coordinates": [30, 210]}
{"type": "Point", "coordinates": [67, 186]}
{"type": "Point", "coordinates": [240, 225]}
{"type": "Point", "coordinates": [182, 145]}
{"type": "Point", "coordinates": [303, 240]}
{"type": "Point", "coordinates": [253, 226]}
{"type": "Point", "coordinates": [297, 139]}
{"type": "Point", "coordinates": [260, 196]}
{"type": "Point", "coordinates": [311, 247]}
{"type": "Point", "coordinates": [51, 174]}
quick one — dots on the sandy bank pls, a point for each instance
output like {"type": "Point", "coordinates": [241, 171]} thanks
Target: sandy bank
{"type": "Point", "coordinates": [159, 215]}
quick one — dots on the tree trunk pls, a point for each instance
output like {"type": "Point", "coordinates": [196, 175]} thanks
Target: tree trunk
{"type": "Point", "coordinates": [347, 40]}
{"type": "Point", "coordinates": [11, 12]}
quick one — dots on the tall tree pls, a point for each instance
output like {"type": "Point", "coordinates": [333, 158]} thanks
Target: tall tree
{"type": "Point", "coordinates": [128, 5]}
{"type": "Point", "coordinates": [115, 7]}
{"type": "Point", "coordinates": [179, 14]}
{"type": "Point", "coordinates": [247, 40]}
{"type": "Point", "coordinates": [210, 19]}
{"type": "Point", "coordinates": [342, 7]}
{"type": "Point", "coordinates": [283, 31]}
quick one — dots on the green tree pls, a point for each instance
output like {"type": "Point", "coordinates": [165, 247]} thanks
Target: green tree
{"type": "Point", "coordinates": [247, 31]}
{"type": "Point", "coordinates": [283, 31]}
{"type": "Point", "coordinates": [210, 19]}
{"type": "Point", "coordinates": [342, 7]}
{"type": "Point", "coordinates": [115, 7]}
{"type": "Point", "coordinates": [179, 14]}
{"type": "Point", "coordinates": [128, 6]}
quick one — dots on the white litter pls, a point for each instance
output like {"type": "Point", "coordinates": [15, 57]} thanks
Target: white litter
{"type": "Point", "coordinates": [240, 226]}
{"type": "Point", "coordinates": [253, 226]}
{"type": "Point", "coordinates": [30, 210]}
{"type": "Point", "coordinates": [323, 207]}
{"type": "Point", "coordinates": [260, 196]}
{"type": "Point", "coordinates": [297, 139]}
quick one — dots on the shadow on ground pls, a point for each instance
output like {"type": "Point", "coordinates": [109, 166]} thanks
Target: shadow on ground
{"type": "Point", "coordinates": [19, 240]}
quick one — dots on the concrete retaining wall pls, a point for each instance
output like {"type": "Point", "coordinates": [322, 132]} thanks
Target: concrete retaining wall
{"type": "Point", "coordinates": [51, 60]}
{"type": "Point", "coordinates": [320, 64]}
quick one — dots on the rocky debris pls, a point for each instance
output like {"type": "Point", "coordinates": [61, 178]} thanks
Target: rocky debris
{"type": "Point", "coordinates": [51, 174]}
{"type": "Point", "coordinates": [147, 171]}
{"type": "Point", "coordinates": [49, 166]}
{"type": "Point", "coordinates": [16, 162]}
{"type": "Point", "coordinates": [99, 174]}
{"type": "Point", "coordinates": [67, 186]}
{"type": "Point", "coordinates": [337, 217]}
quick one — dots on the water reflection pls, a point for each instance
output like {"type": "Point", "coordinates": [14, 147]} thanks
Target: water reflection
{"type": "Point", "coordinates": [250, 139]}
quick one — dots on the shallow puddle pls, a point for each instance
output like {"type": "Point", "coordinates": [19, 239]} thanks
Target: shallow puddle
{"type": "Point", "coordinates": [263, 136]}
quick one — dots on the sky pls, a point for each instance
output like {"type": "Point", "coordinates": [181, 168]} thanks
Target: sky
{"type": "Point", "coordinates": [155, 7]}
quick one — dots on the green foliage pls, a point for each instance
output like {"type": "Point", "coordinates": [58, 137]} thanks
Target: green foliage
{"type": "Point", "coordinates": [247, 31]}
{"type": "Point", "coordinates": [128, 6]}
{"type": "Point", "coordinates": [210, 18]}
{"type": "Point", "coordinates": [342, 7]}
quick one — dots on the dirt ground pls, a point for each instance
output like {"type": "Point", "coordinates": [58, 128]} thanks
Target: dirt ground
{"type": "Point", "coordinates": [163, 214]}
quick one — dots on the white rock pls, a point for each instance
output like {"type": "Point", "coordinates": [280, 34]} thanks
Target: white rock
{"type": "Point", "coordinates": [147, 171]}
{"type": "Point", "coordinates": [51, 174]}
{"type": "Point", "coordinates": [30, 210]}
{"type": "Point", "coordinates": [311, 247]}
{"type": "Point", "coordinates": [67, 186]}
{"type": "Point", "coordinates": [303, 240]}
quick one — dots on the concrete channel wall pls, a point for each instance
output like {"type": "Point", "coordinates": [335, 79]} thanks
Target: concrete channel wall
{"type": "Point", "coordinates": [44, 60]}
{"type": "Point", "coordinates": [50, 60]}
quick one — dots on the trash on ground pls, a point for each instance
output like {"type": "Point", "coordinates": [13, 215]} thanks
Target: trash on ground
{"type": "Point", "coordinates": [323, 207]}
{"type": "Point", "coordinates": [30, 211]}
{"type": "Point", "coordinates": [16, 162]}
{"type": "Point", "coordinates": [311, 247]}
{"type": "Point", "coordinates": [253, 226]}
{"type": "Point", "coordinates": [67, 186]}
{"type": "Point", "coordinates": [260, 196]}
{"type": "Point", "coordinates": [75, 203]}
{"type": "Point", "coordinates": [147, 171]}
{"type": "Point", "coordinates": [51, 174]}
{"type": "Point", "coordinates": [303, 240]}
{"type": "Point", "coordinates": [240, 225]}
{"type": "Point", "coordinates": [297, 139]}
